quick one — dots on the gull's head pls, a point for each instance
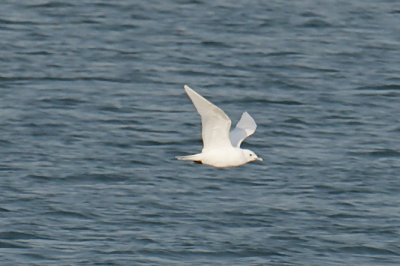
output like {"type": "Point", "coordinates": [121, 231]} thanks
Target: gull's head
{"type": "Point", "coordinates": [251, 156]}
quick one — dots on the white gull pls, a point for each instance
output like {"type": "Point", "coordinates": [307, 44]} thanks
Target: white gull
{"type": "Point", "coordinates": [221, 148]}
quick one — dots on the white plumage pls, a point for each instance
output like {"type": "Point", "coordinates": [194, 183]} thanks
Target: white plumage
{"type": "Point", "coordinates": [221, 148]}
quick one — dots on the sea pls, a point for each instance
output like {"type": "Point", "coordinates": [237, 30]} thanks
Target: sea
{"type": "Point", "coordinates": [93, 113]}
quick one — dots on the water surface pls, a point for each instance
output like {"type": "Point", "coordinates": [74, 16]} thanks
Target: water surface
{"type": "Point", "coordinates": [93, 113]}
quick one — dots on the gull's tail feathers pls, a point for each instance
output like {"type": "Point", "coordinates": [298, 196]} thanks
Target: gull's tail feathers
{"type": "Point", "coordinates": [195, 158]}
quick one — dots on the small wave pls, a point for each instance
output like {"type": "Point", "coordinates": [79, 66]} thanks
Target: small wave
{"type": "Point", "coordinates": [97, 177]}
{"type": "Point", "coordinates": [295, 121]}
{"type": "Point", "coordinates": [282, 102]}
{"type": "Point", "coordinates": [76, 78]}
{"type": "Point", "coordinates": [380, 88]}
{"type": "Point", "coordinates": [51, 4]}
{"type": "Point", "coordinates": [69, 214]}
{"type": "Point", "coordinates": [385, 153]}
{"type": "Point", "coordinates": [21, 22]}
{"type": "Point", "coordinates": [38, 52]}
{"type": "Point", "coordinates": [282, 53]}
{"type": "Point", "coordinates": [344, 215]}
{"type": "Point", "coordinates": [215, 44]}
{"type": "Point", "coordinates": [61, 102]}
{"type": "Point", "coordinates": [4, 142]}
{"type": "Point", "coordinates": [368, 250]}
{"type": "Point", "coordinates": [4, 210]}
{"type": "Point", "coordinates": [35, 256]}
{"type": "Point", "coordinates": [309, 14]}
{"type": "Point", "coordinates": [376, 153]}
{"type": "Point", "coordinates": [4, 244]}
{"type": "Point", "coordinates": [13, 235]}
{"type": "Point", "coordinates": [316, 23]}
{"type": "Point", "coordinates": [39, 177]}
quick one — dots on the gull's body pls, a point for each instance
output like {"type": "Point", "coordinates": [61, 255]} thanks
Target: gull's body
{"type": "Point", "coordinates": [221, 148]}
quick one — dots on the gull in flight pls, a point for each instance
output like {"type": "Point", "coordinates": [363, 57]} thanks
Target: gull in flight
{"type": "Point", "coordinates": [221, 148]}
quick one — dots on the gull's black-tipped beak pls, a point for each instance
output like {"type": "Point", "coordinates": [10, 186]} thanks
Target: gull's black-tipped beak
{"type": "Point", "coordinates": [259, 159]}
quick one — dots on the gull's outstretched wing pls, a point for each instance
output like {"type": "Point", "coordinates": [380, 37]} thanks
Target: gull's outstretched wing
{"type": "Point", "coordinates": [215, 123]}
{"type": "Point", "coordinates": [244, 128]}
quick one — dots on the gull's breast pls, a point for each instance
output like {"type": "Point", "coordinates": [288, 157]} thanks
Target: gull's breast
{"type": "Point", "coordinates": [229, 157]}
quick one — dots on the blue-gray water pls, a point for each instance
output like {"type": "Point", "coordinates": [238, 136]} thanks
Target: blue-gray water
{"type": "Point", "coordinates": [93, 113]}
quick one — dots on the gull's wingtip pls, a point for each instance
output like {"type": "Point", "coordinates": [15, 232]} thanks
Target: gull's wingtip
{"type": "Point", "coordinates": [190, 91]}
{"type": "Point", "coordinates": [247, 122]}
{"type": "Point", "coordinates": [246, 114]}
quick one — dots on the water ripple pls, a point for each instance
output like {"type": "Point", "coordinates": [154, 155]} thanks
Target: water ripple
{"type": "Point", "coordinates": [93, 114]}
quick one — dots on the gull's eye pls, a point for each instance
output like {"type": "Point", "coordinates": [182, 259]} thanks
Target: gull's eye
{"type": "Point", "coordinates": [251, 154]}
